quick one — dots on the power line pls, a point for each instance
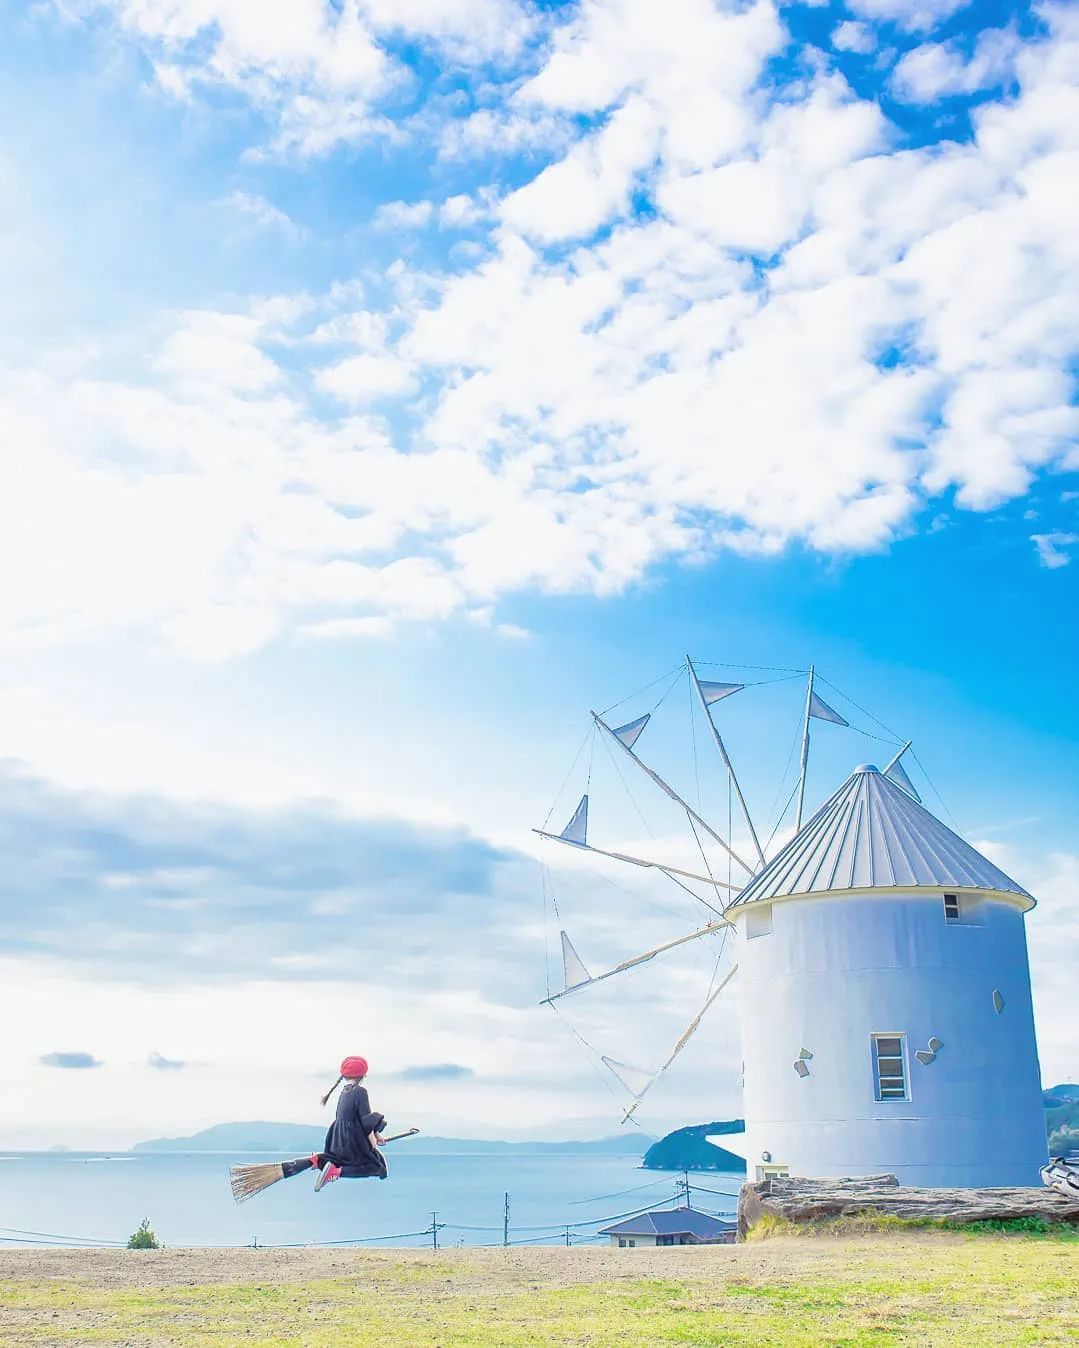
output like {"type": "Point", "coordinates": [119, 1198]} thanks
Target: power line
{"type": "Point", "coordinates": [619, 1193]}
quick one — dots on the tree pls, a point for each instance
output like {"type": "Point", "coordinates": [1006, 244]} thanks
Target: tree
{"type": "Point", "coordinates": [144, 1238]}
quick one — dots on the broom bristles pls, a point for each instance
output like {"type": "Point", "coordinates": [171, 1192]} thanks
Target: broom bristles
{"type": "Point", "coordinates": [249, 1180]}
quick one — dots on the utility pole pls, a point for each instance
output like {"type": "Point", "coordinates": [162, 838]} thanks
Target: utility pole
{"type": "Point", "coordinates": [434, 1230]}
{"type": "Point", "coordinates": [567, 1237]}
{"type": "Point", "coordinates": [506, 1220]}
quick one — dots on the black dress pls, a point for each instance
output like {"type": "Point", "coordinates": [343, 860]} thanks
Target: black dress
{"type": "Point", "coordinates": [347, 1139]}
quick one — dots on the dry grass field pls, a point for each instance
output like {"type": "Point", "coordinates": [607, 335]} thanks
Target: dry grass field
{"type": "Point", "coordinates": [872, 1289]}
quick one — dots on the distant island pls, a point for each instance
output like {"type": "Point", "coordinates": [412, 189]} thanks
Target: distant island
{"type": "Point", "coordinates": [1062, 1117]}
{"type": "Point", "coordinates": [689, 1149]}
{"type": "Point", "coordinates": [286, 1139]}
{"type": "Point", "coordinates": [684, 1149]}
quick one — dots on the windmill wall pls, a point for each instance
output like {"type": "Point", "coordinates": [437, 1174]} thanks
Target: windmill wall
{"type": "Point", "coordinates": [827, 972]}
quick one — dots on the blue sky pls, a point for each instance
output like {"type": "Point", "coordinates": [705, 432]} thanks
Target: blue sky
{"type": "Point", "coordinates": [389, 383]}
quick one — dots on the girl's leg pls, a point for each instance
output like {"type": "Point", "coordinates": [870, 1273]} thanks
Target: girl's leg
{"type": "Point", "coordinates": [313, 1162]}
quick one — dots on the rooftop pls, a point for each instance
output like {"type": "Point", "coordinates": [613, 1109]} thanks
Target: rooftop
{"type": "Point", "coordinates": [670, 1222]}
{"type": "Point", "coordinates": [874, 835]}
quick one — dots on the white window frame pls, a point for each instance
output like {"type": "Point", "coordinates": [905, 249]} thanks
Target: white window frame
{"type": "Point", "coordinates": [875, 1057]}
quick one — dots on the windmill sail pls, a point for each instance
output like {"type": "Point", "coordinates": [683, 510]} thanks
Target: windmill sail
{"type": "Point", "coordinates": [715, 692]}
{"type": "Point", "coordinates": [821, 710]}
{"type": "Point", "coordinates": [897, 773]}
{"type": "Point", "coordinates": [576, 974]}
{"type": "Point", "coordinates": [576, 831]}
{"type": "Point", "coordinates": [635, 1079]}
{"type": "Point", "coordinates": [630, 733]}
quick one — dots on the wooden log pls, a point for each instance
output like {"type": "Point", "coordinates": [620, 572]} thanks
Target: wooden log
{"type": "Point", "coordinates": [807, 1200]}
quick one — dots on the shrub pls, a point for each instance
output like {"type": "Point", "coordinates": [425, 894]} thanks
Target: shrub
{"type": "Point", "coordinates": [144, 1238]}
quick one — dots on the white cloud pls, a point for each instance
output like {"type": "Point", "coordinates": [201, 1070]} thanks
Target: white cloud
{"type": "Point", "coordinates": [940, 69]}
{"type": "Point", "coordinates": [720, 319]}
{"type": "Point", "coordinates": [362, 378]}
{"type": "Point", "coordinates": [466, 31]}
{"type": "Point", "coordinates": [394, 215]}
{"type": "Point", "coordinates": [317, 70]}
{"type": "Point", "coordinates": [218, 350]}
{"type": "Point", "coordinates": [582, 191]}
{"type": "Point", "coordinates": [852, 36]}
{"type": "Point", "coordinates": [913, 16]}
{"type": "Point", "coordinates": [1054, 550]}
{"type": "Point", "coordinates": [263, 213]}
{"type": "Point", "coordinates": [378, 627]}
{"type": "Point", "coordinates": [463, 210]}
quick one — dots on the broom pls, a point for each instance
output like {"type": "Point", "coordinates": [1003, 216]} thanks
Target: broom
{"type": "Point", "coordinates": [249, 1180]}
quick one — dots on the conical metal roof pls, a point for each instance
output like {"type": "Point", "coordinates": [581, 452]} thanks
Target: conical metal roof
{"type": "Point", "coordinates": [873, 835]}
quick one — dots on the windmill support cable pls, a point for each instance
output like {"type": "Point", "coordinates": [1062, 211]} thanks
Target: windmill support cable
{"type": "Point", "coordinates": [726, 760]}
{"type": "Point", "coordinates": [634, 861]}
{"type": "Point", "coordinates": [687, 1035]}
{"type": "Point", "coordinates": [706, 930]}
{"type": "Point", "coordinates": [569, 774]}
{"type": "Point", "coordinates": [673, 795]}
{"type": "Point", "coordinates": [693, 893]}
{"type": "Point", "coordinates": [704, 857]}
{"type": "Point", "coordinates": [805, 752]}
{"type": "Point", "coordinates": [671, 674]}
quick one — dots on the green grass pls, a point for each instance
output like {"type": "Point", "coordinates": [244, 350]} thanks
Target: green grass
{"type": "Point", "coordinates": [900, 1289]}
{"type": "Point", "coordinates": [871, 1222]}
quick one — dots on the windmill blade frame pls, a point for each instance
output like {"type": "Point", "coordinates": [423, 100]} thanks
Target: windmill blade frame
{"type": "Point", "coordinates": [707, 930]}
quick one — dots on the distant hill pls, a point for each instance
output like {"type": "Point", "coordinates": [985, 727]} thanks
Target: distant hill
{"type": "Point", "coordinates": [288, 1139]}
{"type": "Point", "coordinates": [1062, 1118]}
{"type": "Point", "coordinates": [688, 1149]}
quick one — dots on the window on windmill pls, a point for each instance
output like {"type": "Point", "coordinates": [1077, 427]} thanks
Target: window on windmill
{"type": "Point", "coordinates": [759, 921]}
{"type": "Point", "coordinates": [965, 909]}
{"type": "Point", "coordinates": [889, 1067]}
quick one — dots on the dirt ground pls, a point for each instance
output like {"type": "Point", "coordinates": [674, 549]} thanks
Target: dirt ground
{"type": "Point", "coordinates": [915, 1289]}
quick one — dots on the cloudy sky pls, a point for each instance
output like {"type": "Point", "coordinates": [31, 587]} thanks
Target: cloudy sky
{"type": "Point", "coordinates": [387, 382]}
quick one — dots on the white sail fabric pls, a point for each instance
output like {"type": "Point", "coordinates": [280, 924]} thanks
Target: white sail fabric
{"type": "Point", "coordinates": [573, 965]}
{"type": "Point", "coordinates": [713, 692]}
{"type": "Point", "coordinates": [821, 710]}
{"type": "Point", "coordinates": [630, 733]}
{"type": "Point", "coordinates": [576, 831]}
{"type": "Point", "coordinates": [635, 1079]}
{"type": "Point", "coordinates": [897, 773]}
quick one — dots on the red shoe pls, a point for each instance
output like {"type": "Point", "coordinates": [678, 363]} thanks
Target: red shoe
{"type": "Point", "coordinates": [327, 1175]}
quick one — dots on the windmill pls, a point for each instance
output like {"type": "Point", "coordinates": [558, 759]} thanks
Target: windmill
{"type": "Point", "coordinates": [715, 893]}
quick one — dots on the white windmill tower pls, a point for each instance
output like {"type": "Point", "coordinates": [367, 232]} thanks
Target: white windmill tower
{"type": "Point", "coordinates": [883, 984]}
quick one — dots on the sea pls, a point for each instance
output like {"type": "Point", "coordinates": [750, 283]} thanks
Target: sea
{"type": "Point", "coordinates": [99, 1199]}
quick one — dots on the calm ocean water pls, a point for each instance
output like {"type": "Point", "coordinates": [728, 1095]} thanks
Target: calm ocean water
{"type": "Point", "coordinates": [98, 1199]}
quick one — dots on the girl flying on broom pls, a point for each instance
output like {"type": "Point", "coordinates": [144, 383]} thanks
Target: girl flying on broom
{"type": "Point", "coordinates": [352, 1146]}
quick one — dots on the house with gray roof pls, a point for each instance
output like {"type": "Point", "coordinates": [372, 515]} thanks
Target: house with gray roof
{"type": "Point", "coordinates": [671, 1226]}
